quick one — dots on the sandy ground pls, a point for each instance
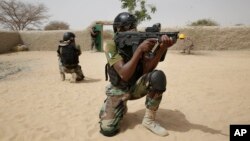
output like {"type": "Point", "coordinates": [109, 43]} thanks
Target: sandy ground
{"type": "Point", "coordinates": [206, 92]}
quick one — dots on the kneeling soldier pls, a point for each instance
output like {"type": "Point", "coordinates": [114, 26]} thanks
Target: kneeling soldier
{"type": "Point", "coordinates": [68, 54]}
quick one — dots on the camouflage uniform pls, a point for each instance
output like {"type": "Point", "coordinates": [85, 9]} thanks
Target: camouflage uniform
{"type": "Point", "coordinates": [114, 106]}
{"type": "Point", "coordinates": [75, 69]}
{"type": "Point", "coordinates": [187, 45]}
{"type": "Point", "coordinates": [94, 33]}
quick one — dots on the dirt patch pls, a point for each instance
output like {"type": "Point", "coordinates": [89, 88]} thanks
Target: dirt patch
{"type": "Point", "coordinates": [7, 68]}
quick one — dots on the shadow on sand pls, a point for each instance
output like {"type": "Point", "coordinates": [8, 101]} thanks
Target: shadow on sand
{"type": "Point", "coordinates": [89, 80]}
{"type": "Point", "coordinates": [173, 120]}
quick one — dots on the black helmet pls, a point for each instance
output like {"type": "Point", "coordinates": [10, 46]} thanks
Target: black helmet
{"type": "Point", "coordinates": [68, 36]}
{"type": "Point", "coordinates": [124, 21]}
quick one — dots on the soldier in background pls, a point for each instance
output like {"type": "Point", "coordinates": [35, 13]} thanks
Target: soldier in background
{"type": "Point", "coordinates": [93, 33]}
{"type": "Point", "coordinates": [187, 43]}
{"type": "Point", "coordinates": [68, 54]}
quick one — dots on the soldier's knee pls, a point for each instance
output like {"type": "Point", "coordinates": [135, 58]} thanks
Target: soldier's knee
{"type": "Point", "coordinates": [157, 81]}
{"type": "Point", "coordinates": [107, 128]}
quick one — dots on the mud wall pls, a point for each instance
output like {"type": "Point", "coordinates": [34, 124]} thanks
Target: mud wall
{"type": "Point", "coordinates": [204, 38]}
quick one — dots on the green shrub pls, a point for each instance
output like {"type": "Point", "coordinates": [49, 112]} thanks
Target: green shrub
{"type": "Point", "coordinates": [204, 22]}
{"type": "Point", "coordinates": [56, 25]}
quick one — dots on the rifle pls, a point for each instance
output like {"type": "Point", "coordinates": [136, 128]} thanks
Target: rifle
{"type": "Point", "coordinates": [127, 42]}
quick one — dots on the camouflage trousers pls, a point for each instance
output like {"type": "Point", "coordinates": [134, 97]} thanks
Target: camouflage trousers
{"type": "Point", "coordinates": [73, 69]}
{"type": "Point", "coordinates": [115, 105]}
{"type": "Point", "coordinates": [93, 43]}
{"type": "Point", "coordinates": [188, 49]}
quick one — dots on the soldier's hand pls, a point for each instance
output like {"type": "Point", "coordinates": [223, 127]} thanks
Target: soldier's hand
{"type": "Point", "coordinates": [166, 42]}
{"type": "Point", "coordinates": [147, 44]}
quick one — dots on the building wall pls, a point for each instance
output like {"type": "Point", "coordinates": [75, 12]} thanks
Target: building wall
{"type": "Point", "coordinates": [204, 38]}
{"type": "Point", "coordinates": [9, 40]}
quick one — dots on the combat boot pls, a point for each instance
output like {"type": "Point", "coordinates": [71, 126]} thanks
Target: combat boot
{"type": "Point", "coordinates": [62, 76]}
{"type": "Point", "coordinates": [150, 123]}
{"type": "Point", "coordinates": [80, 75]}
{"type": "Point", "coordinates": [73, 79]}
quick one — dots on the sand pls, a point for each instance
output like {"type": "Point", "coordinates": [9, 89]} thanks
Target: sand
{"type": "Point", "coordinates": [206, 92]}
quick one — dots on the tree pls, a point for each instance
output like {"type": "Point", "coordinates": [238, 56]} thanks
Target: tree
{"type": "Point", "coordinates": [204, 22]}
{"type": "Point", "coordinates": [57, 25]}
{"type": "Point", "coordinates": [18, 15]}
{"type": "Point", "coordinates": [142, 14]}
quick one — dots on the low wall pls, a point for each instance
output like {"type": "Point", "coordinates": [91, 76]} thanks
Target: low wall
{"type": "Point", "coordinates": [9, 40]}
{"type": "Point", "coordinates": [217, 38]}
{"type": "Point", "coordinates": [204, 38]}
{"type": "Point", "coordinates": [48, 40]}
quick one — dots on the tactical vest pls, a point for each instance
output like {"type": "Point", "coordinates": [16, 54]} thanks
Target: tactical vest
{"type": "Point", "coordinates": [69, 55]}
{"type": "Point", "coordinates": [116, 80]}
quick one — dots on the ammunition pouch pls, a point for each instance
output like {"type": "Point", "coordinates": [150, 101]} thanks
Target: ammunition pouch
{"type": "Point", "coordinates": [114, 78]}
